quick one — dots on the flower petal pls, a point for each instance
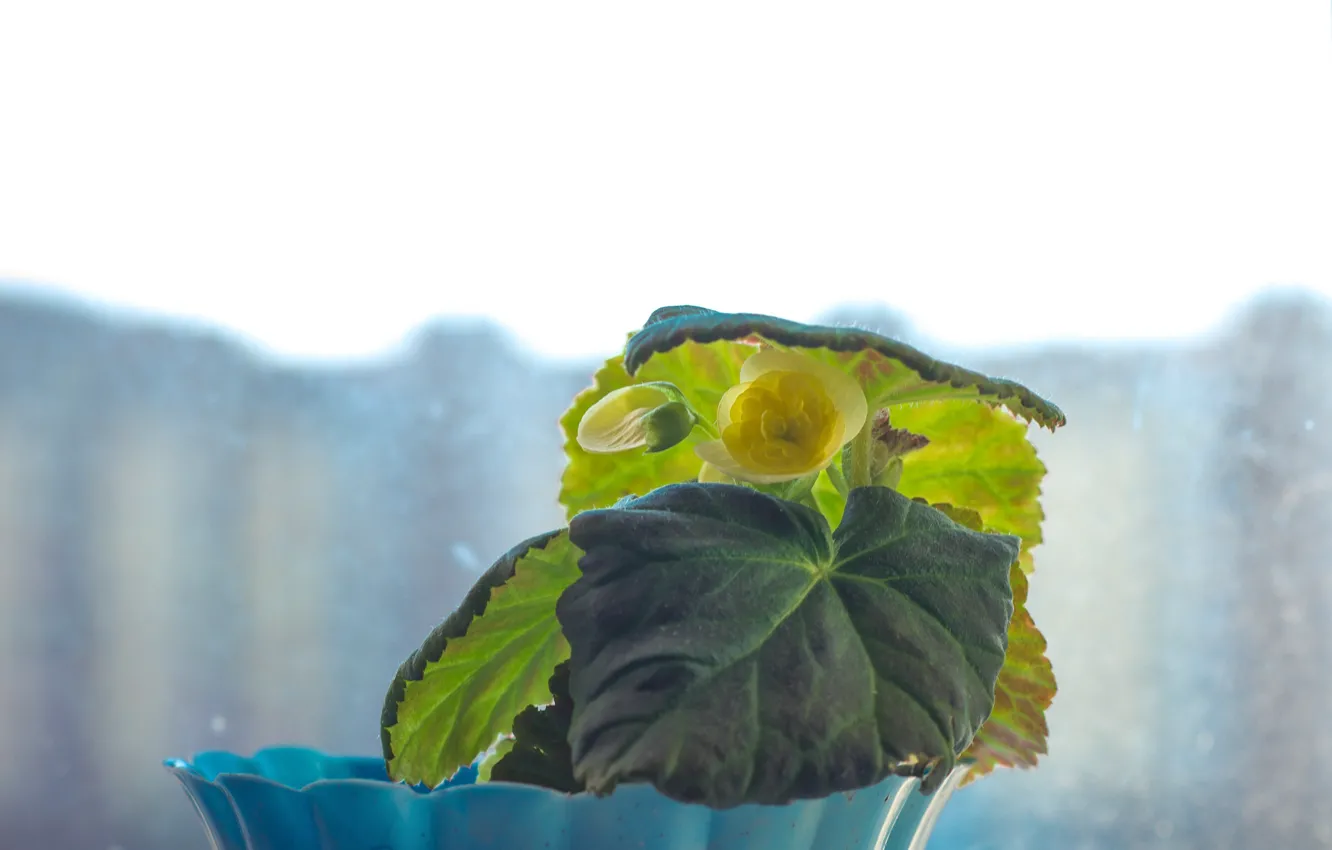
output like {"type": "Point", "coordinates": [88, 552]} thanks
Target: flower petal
{"type": "Point", "coordinates": [725, 403]}
{"type": "Point", "coordinates": [844, 390]}
{"type": "Point", "coordinates": [768, 359]}
{"type": "Point", "coordinates": [615, 422]}
{"type": "Point", "coordinates": [714, 452]}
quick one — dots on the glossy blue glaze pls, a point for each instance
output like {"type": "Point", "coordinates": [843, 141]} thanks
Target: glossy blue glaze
{"type": "Point", "coordinates": [291, 798]}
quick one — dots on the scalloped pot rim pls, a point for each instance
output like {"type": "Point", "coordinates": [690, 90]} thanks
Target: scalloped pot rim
{"type": "Point", "coordinates": [242, 809]}
{"type": "Point", "coordinates": [188, 768]}
{"type": "Point", "coordinates": [181, 766]}
{"type": "Point", "coordinates": [464, 778]}
{"type": "Point", "coordinates": [367, 771]}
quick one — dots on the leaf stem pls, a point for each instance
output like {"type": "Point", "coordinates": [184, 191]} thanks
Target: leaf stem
{"type": "Point", "coordinates": [891, 475]}
{"type": "Point", "coordinates": [862, 449]}
{"type": "Point", "coordinates": [838, 480]}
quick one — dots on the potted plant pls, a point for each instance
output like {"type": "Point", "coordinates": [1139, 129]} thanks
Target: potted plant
{"type": "Point", "coordinates": [788, 611]}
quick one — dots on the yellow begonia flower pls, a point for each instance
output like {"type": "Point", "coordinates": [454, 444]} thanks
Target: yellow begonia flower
{"type": "Point", "coordinates": [651, 415]}
{"type": "Point", "coordinates": [787, 418]}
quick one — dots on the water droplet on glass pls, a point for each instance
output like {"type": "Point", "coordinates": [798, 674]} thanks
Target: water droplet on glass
{"type": "Point", "coordinates": [466, 558]}
{"type": "Point", "coordinates": [1308, 424]}
{"type": "Point", "coordinates": [218, 724]}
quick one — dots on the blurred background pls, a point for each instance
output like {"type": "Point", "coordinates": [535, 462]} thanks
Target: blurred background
{"type": "Point", "coordinates": [291, 296]}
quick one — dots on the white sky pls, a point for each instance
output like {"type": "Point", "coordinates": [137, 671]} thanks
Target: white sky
{"type": "Point", "coordinates": [325, 176]}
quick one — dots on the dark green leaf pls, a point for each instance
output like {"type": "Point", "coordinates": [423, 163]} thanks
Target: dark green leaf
{"type": "Point", "coordinates": [540, 752]}
{"type": "Point", "coordinates": [891, 372]}
{"type": "Point", "coordinates": [730, 649]}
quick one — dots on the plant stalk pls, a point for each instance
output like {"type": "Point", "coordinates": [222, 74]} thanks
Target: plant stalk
{"type": "Point", "coordinates": [862, 452]}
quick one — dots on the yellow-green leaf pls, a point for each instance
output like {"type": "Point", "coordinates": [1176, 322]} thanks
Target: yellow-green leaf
{"type": "Point", "coordinates": [978, 458]}
{"type": "Point", "coordinates": [457, 699]}
{"type": "Point", "coordinates": [1015, 733]}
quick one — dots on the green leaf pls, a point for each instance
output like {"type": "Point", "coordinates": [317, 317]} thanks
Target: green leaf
{"type": "Point", "coordinates": [540, 752]}
{"type": "Point", "coordinates": [891, 372]}
{"type": "Point", "coordinates": [978, 458]}
{"type": "Point", "coordinates": [728, 648]}
{"type": "Point", "coordinates": [1016, 733]}
{"type": "Point", "coordinates": [703, 373]}
{"type": "Point", "coordinates": [458, 693]}
{"type": "Point", "coordinates": [497, 753]}
{"type": "Point", "coordinates": [454, 626]}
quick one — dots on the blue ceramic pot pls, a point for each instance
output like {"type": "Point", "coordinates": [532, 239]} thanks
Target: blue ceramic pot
{"type": "Point", "coordinates": [289, 798]}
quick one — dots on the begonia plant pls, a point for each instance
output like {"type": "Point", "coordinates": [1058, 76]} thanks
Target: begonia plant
{"type": "Point", "coordinates": [796, 563]}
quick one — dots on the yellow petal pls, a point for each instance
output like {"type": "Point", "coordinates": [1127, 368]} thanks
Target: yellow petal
{"type": "Point", "coordinates": [844, 390]}
{"type": "Point", "coordinates": [715, 453]}
{"type": "Point", "coordinates": [724, 405]}
{"type": "Point", "coordinates": [615, 422]}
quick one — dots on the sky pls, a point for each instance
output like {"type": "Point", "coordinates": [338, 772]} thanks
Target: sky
{"type": "Point", "coordinates": [324, 177]}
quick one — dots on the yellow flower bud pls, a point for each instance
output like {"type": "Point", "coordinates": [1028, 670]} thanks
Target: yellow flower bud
{"type": "Point", "coordinates": [652, 415]}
